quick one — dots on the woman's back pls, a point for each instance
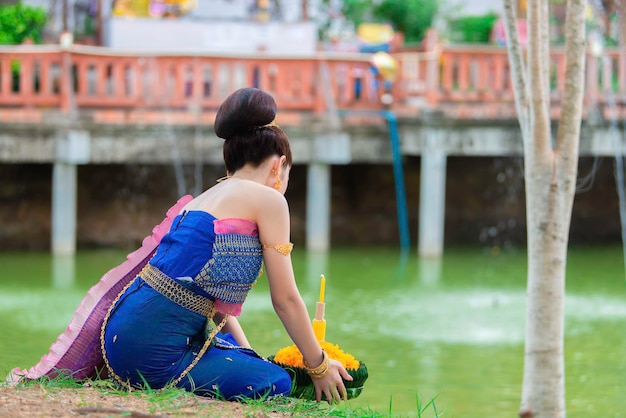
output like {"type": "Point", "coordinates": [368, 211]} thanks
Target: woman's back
{"type": "Point", "coordinates": [231, 198]}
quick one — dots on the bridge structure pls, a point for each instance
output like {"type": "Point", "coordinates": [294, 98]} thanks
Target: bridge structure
{"type": "Point", "coordinates": [72, 105]}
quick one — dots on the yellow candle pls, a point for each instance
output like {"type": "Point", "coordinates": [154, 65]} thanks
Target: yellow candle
{"type": "Point", "coordinates": [319, 323]}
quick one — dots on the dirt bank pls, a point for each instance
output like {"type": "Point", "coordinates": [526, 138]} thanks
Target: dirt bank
{"type": "Point", "coordinates": [39, 401]}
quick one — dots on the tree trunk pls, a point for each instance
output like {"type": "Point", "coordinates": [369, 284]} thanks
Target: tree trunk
{"type": "Point", "coordinates": [550, 174]}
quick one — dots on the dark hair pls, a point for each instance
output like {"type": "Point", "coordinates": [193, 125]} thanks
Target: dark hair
{"type": "Point", "coordinates": [242, 121]}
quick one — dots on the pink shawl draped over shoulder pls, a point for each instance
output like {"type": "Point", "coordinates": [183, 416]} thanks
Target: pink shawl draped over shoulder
{"type": "Point", "coordinates": [76, 351]}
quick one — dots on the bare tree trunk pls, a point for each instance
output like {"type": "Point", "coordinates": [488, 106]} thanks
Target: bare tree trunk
{"type": "Point", "coordinates": [305, 10]}
{"type": "Point", "coordinates": [621, 22]}
{"type": "Point", "coordinates": [64, 16]}
{"type": "Point", "coordinates": [550, 174]}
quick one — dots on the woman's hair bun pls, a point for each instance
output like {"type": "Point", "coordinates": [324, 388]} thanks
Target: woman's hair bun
{"type": "Point", "coordinates": [244, 109]}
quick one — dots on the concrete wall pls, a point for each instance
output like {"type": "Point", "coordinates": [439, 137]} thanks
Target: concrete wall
{"type": "Point", "coordinates": [210, 36]}
{"type": "Point", "coordinates": [367, 142]}
{"type": "Point", "coordinates": [118, 204]}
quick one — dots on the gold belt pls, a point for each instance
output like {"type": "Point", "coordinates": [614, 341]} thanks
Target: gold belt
{"type": "Point", "coordinates": [176, 292]}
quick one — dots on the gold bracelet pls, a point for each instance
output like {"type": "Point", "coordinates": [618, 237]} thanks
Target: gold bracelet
{"type": "Point", "coordinates": [319, 371]}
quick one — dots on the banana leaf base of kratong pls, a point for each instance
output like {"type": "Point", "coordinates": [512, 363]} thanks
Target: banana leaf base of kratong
{"type": "Point", "coordinates": [303, 385]}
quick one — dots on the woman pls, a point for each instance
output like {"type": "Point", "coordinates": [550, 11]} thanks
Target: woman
{"type": "Point", "coordinates": [176, 322]}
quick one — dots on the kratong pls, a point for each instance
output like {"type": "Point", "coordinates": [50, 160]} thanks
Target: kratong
{"type": "Point", "coordinates": [290, 358]}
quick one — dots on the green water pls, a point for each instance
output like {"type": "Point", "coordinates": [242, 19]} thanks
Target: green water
{"type": "Point", "coordinates": [452, 329]}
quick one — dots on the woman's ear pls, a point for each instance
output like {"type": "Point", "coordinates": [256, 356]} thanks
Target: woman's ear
{"type": "Point", "coordinates": [279, 163]}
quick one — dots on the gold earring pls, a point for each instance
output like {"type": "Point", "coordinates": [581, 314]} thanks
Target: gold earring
{"type": "Point", "coordinates": [278, 184]}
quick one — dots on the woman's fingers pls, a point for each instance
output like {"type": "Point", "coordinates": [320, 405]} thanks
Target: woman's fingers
{"type": "Point", "coordinates": [345, 375]}
{"type": "Point", "coordinates": [327, 394]}
{"type": "Point", "coordinates": [332, 394]}
{"type": "Point", "coordinates": [344, 393]}
{"type": "Point", "coordinates": [332, 388]}
{"type": "Point", "coordinates": [339, 392]}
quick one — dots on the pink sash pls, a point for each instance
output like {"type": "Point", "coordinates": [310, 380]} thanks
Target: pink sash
{"type": "Point", "coordinates": [77, 350]}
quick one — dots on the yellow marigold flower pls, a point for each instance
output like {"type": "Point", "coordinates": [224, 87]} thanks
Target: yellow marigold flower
{"type": "Point", "coordinates": [291, 356]}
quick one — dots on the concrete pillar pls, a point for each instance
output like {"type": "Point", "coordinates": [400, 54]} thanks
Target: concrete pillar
{"type": "Point", "coordinates": [72, 148]}
{"type": "Point", "coordinates": [432, 196]}
{"type": "Point", "coordinates": [318, 207]}
{"type": "Point", "coordinates": [326, 149]}
{"type": "Point", "coordinates": [432, 203]}
{"type": "Point", "coordinates": [63, 209]}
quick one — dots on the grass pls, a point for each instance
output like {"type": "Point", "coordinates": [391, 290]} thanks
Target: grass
{"type": "Point", "coordinates": [172, 400]}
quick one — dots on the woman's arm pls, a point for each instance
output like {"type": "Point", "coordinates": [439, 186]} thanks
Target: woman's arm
{"type": "Point", "coordinates": [288, 304]}
{"type": "Point", "coordinates": [233, 327]}
{"type": "Point", "coordinates": [292, 312]}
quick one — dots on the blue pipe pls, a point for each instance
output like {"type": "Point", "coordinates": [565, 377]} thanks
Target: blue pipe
{"type": "Point", "coordinates": [619, 182]}
{"type": "Point", "coordinates": [619, 178]}
{"type": "Point", "coordinates": [398, 173]}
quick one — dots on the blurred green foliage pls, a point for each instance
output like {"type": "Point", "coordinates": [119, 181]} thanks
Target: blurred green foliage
{"type": "Point", "coordinates": [472, 29]}
{"type": "Point", "coordinates": [19, 22]}
{"type": "Point", "coordinates": [411, 17]}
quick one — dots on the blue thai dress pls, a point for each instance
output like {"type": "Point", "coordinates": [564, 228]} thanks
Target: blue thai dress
{"type": "Point", "coordinates": [152, 337]}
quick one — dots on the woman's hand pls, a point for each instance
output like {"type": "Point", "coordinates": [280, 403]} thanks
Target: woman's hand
{"type": "Point", "coordinates": [331, 384]}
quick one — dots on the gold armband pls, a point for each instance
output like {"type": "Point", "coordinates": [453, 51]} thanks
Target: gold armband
{"type": "Point", "coordinates": [284, 249]}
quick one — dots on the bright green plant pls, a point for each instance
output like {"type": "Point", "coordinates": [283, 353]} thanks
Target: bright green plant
{"type": "Point", "coordinates": [19, 22]}
{"type": "Point", "coordinates": [472, 29]}
{"type": "Point", "coordinates": [411, 17]}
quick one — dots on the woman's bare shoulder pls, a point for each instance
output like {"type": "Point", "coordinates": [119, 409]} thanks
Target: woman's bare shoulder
{"type": "Point", "coordinates": [245, 199]}
{"type": "Point", "coordinates": [266, 199]}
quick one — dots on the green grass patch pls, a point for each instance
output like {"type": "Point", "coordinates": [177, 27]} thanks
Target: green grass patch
{"type": "Point", "coordinates": [175, 401]}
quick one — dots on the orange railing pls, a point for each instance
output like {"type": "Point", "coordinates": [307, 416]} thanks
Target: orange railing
{"type": "Point", "coordinates": [480, 75]}
{"type": "Point", "coordinates": [95, 78]}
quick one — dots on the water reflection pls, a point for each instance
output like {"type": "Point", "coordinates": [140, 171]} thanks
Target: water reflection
{"type": "Point", "coordinates": [403, 263]}
{"type": "Point", "coordinates": [63, 271]}
{"type": "Point", "coordinates": [430, 271]}
{"type": "Point", "coordinates": [316, 265]}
